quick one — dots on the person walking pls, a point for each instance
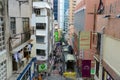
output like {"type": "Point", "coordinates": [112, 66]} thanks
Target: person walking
{"type": "Point", "coordinates": [40, 77]}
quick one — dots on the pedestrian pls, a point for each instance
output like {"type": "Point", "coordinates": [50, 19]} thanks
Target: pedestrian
{"type": "Point", "coordinates": [40, 77]}
{"type": "Point", "coordinates": [60, 70]}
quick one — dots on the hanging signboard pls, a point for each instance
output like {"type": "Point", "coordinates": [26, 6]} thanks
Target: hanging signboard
{"type": "Point", "coordinates": [42, 67]}
{"type": "Point", "coordinates": [56, 36]}
{"type": "Point", "coordinates": [92, 71]}
{"type": "Point", "coordinates": [86, 68]}
{"type": "Point", "coordinates": [84, 42]}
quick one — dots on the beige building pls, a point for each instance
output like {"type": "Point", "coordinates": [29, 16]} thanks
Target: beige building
{"type": "Point", "coordinates": [72, 4]}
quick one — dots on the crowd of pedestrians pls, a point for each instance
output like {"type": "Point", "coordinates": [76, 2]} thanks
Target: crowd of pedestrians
{"type": "Point", "coordinates": [55, 62]}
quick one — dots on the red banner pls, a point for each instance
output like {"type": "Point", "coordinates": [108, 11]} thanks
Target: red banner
{"type": "Point", "coordinates": [86, 67]}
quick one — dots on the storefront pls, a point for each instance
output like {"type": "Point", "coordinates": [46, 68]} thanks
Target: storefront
{"type": "Point", "coordinates": [106, 75]}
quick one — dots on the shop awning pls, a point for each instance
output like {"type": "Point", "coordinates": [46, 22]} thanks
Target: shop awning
{"type": "Point", "coordinates": [69, 57]}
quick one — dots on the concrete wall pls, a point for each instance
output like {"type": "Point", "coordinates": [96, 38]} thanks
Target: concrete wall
{"type": "Point", "coordinates": [111, 50]}
{"type": "Point", "coordinates": [16, 11]}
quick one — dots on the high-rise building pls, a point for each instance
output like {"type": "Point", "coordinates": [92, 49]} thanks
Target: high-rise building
{"type": "Point", "coordinates": [66, 8]}
{"type": "Point", "coordinates": [55, 9]}
{"type": "Point", "coordinates": [61, 14]}
{"type": "Point", "coordinates": [72, 4]}
{"type": "Point", "coordinates": [3, 50]}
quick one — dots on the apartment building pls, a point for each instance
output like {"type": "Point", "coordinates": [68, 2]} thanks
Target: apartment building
{"type": "Point", "coordinates": [55, 9]}
{"type": "Point", "coordinates": [86, 10]}
{"type": "Point", "coordinates": [66, 16]}
{"type": "Point", "coordinates": [3, 50]}
{"type": "Point", "coordinates": [42, 20]}
{"type": "Point", "coordinates": [72, 4]}
{"type": "Point", "coordinates": [61, 13]}
{"type": "Point", "coordinates": [18, 39]}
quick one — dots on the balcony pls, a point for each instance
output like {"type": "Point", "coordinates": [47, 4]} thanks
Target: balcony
{"type": "Point", "coordinates": [41, 5]}
{"type": "Point", "coordinates": [18, 72]}
{"type": "Point", "coordinates": [19, 39]}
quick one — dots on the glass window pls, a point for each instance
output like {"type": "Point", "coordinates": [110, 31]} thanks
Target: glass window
{"type": "Point", "coordinates": [40, 52]}
{"type": "Point", "coordinates": [13, 25]}
{"type": "Point", "coordinates": [26, 29]}
{"type": "Point", "coordinates": [40, 25]}
{"type": "Point", "coordinates": [1, 21]}
{"type": "Point", "coordinates": [2, 39]}
{"type": "Point", "coordinates": [37, 12]}
{"type": "Point", "coordinates": [3, 70]}
{"type": "Point", "coordinates": [40, 39]}
{"type": "Point", "coordinates": [25, 24]}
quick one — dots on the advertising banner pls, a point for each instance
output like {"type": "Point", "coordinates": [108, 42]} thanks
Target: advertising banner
{"type": "Point", "coordinates": [84, 42]}
{"type": "Point", "coordinates": [56, 36]}
{"type": "Point", "coordinates": [42, 67]}
{"type": "Point", "coordinates": [86, 68]}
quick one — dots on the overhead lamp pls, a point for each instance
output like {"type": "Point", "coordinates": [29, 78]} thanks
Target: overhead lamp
{"type": "Point", "coordinates": [107, 16]}
{"type": "Point", "coordinates": [118, 16]}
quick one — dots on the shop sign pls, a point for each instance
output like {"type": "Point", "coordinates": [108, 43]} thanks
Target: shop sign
{"type": "Point", "coordinates": [42, 67]}
{"type": "Point", "coordinates": [86, 67]}
{"type": "Point", "coordinates": [56, 36]}
{"type": "Point", "coordinates": [92, 71]}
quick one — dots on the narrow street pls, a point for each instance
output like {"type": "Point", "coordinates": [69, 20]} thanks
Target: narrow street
{"type": "Point", "coordinates": [56, 72]}
{"type": "Point", "coordinates": [58, 66]}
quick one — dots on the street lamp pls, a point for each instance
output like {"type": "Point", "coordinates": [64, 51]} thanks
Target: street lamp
{"type": "Point", "coordinates": [118, 16]}
{"type": "Point", "coordinates": [107, 16]}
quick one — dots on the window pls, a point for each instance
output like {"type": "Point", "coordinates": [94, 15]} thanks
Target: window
{"type": "Point", "coordinates": [3, 70]}
{"type": "Point", "coordinates": [40, 52]}
{"type": "Point", "coordinates": [37, 12]}
{"type": "Point", "coordinates": [40, 25]}
{"type": "Point", "coordinates": [25, 24]}
{"type": "Point", "coordinates": [2, 39]}
{"type": "Point", "coordinates": [26, 29]}
{"type": "Point", "coordinates": [1, 21]}
{"type": "Point", "coordinates": [40, 39]}
{"type": "Point", "coordinates": [13, 25]}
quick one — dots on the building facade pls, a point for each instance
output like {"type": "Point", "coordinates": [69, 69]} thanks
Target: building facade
{"type": "Point", "coordinates": [107, 59]}
{"type": "Point", "coordinates": [55, 9]}
{"type": "Point", "coordinates": [42, 19]}
{"type": "Point", "coordinates": [102, 18]}
{"type": "Point", "coordinates": [72, 4]}
{"type": "Point", "coordinates": [86, 10]}
{"type": "Point", "coordinates": [66, 19]}
{"type": "Point", "coordinates": [3, 50]}
{"type": "Point", "coordinates": [18, 32]}
{"type": "Point", "coordinates": [61, 14]}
